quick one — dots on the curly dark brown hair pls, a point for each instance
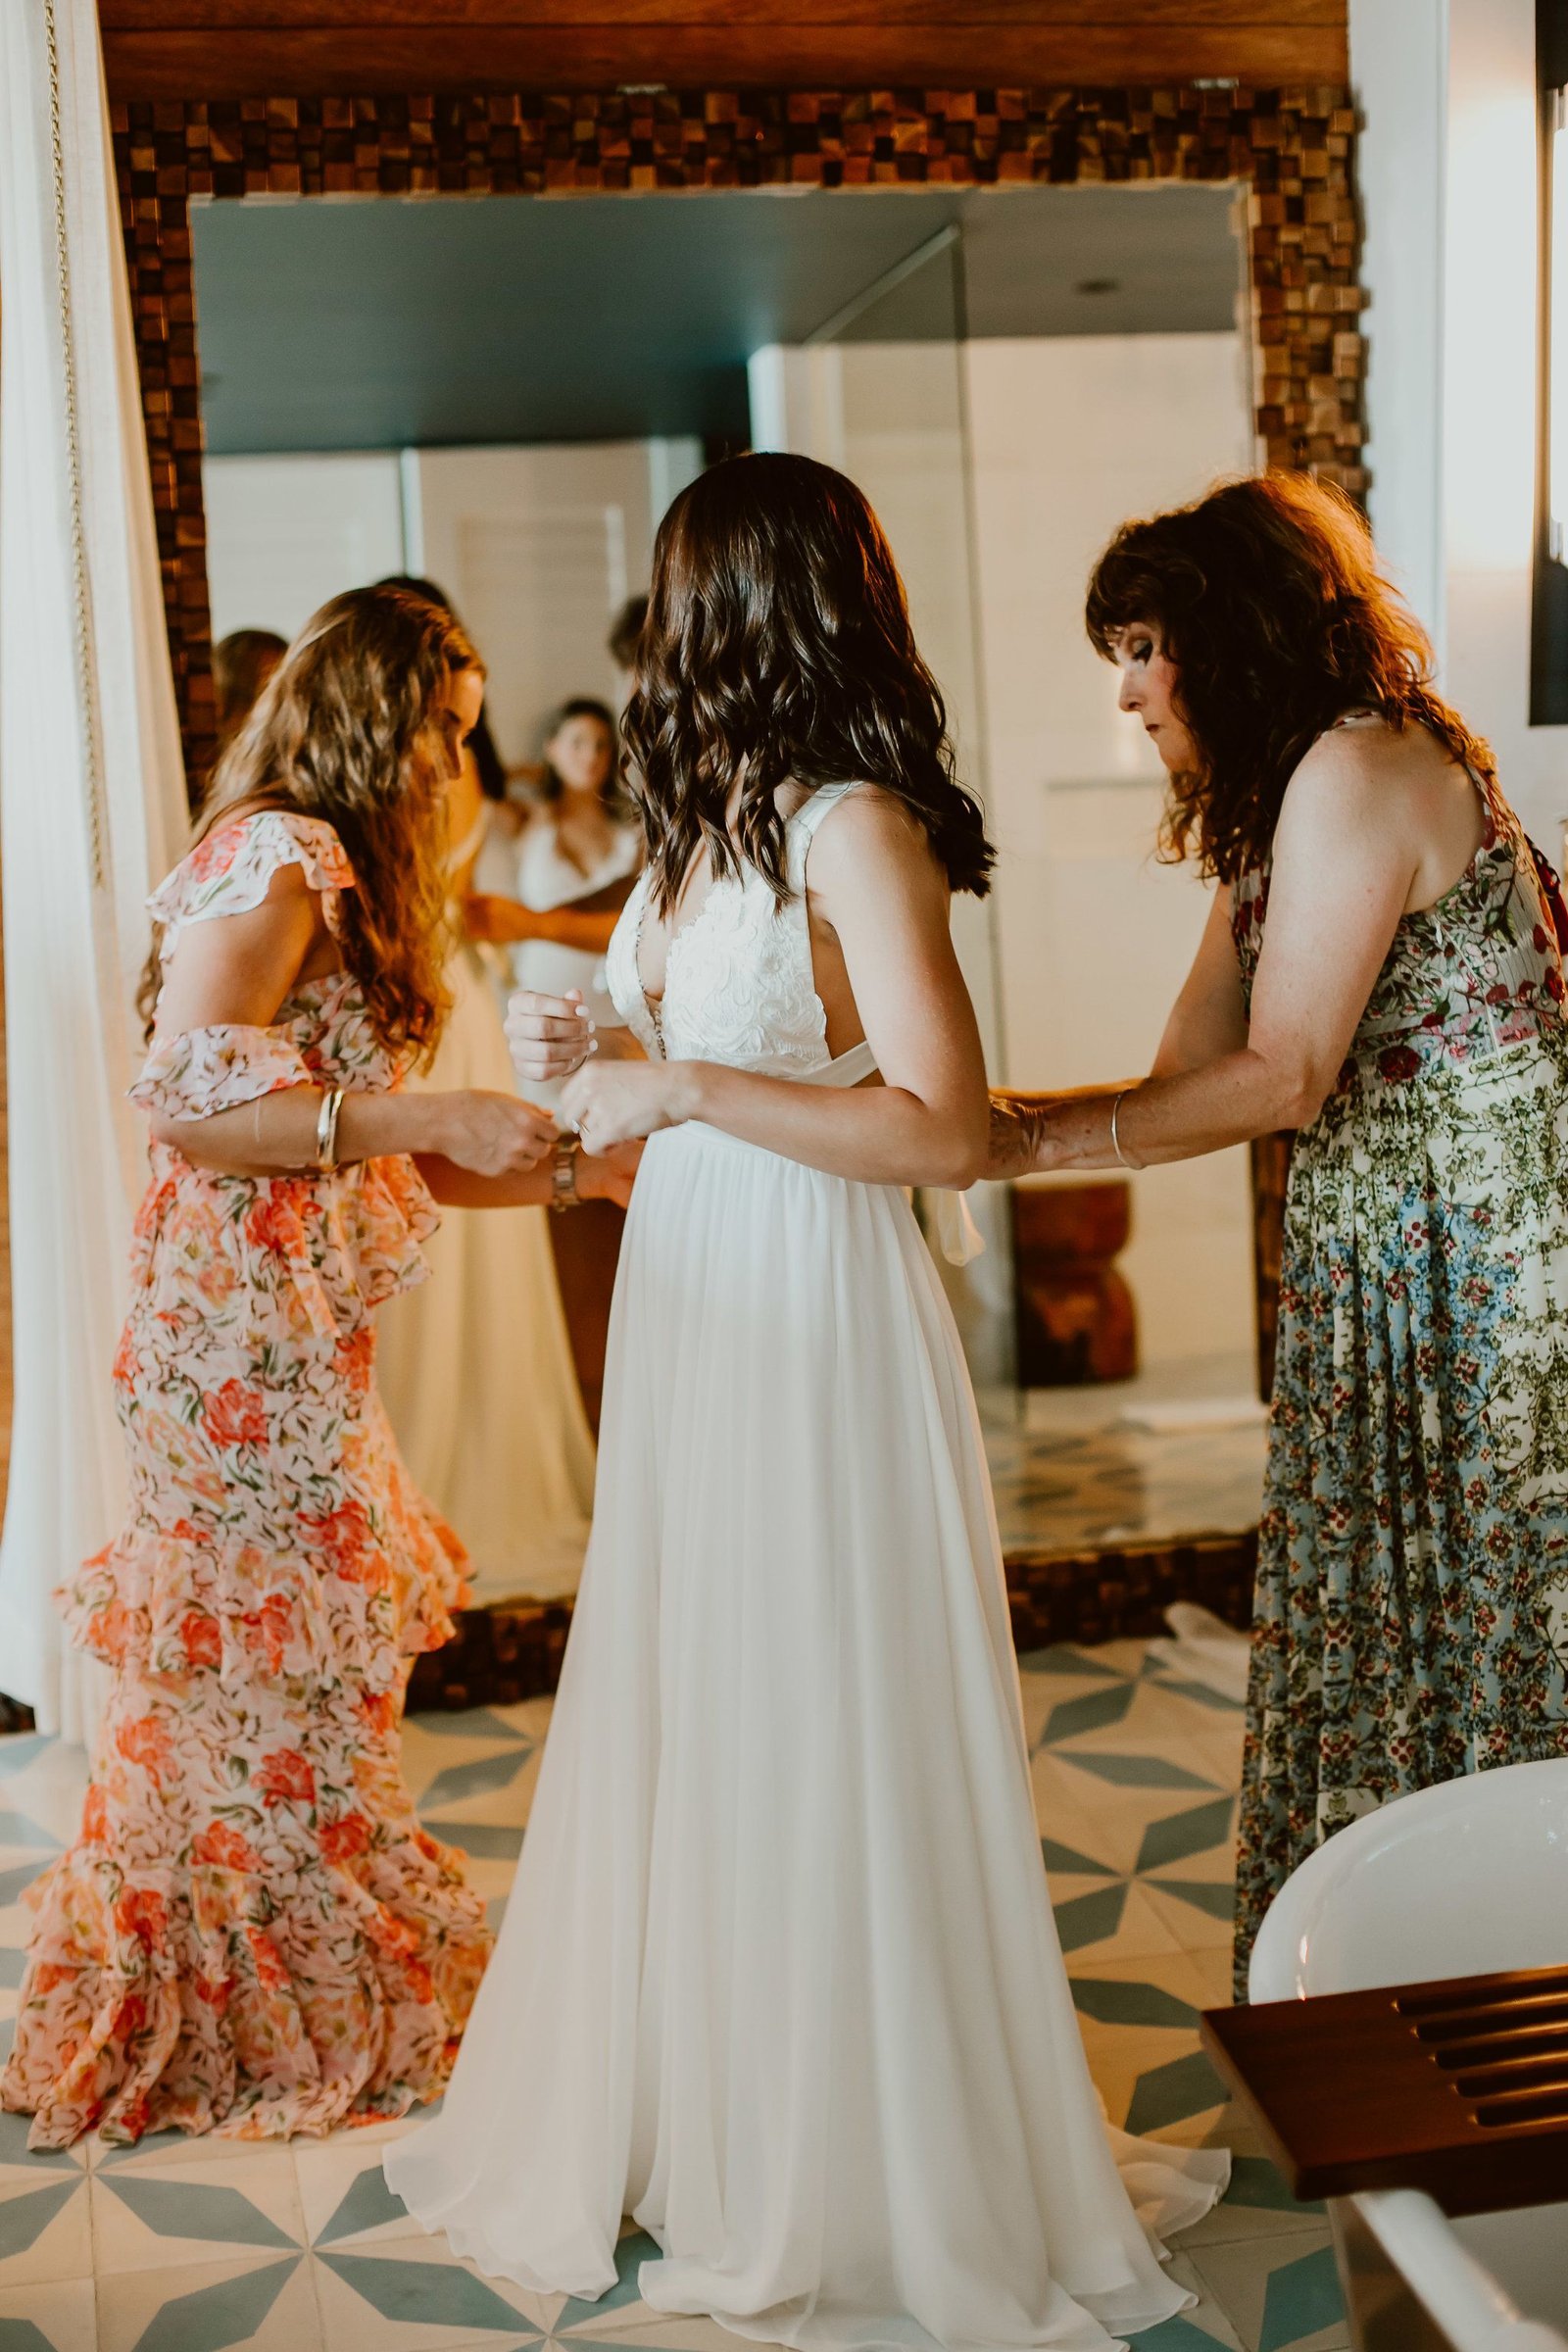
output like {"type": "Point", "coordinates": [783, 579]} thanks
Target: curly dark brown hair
{"type": "Point", "coordinates": [347, 728]}
{"type": "Point", "coordinates": [777, 646]}
{"type": "Point", "coordinates": [1268, 599]}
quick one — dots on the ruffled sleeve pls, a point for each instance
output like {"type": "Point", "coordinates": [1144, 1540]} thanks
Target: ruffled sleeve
{"type": "Point", "coordinates": [206, 1071]}
{"type": "Point", "coordinates": [231, 871]}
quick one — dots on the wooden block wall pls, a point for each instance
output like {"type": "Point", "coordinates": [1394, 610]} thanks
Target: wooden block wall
{"type": "Point", "coordinates": [1293, 147]}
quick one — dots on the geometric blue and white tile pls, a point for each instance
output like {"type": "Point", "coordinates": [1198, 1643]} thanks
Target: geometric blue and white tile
{"type": "Point", "coordinates": [196, 2246]}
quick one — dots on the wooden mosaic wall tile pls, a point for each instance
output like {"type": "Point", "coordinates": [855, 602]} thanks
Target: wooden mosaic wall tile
{"type": "Point", "coordinates": [1293, 148]}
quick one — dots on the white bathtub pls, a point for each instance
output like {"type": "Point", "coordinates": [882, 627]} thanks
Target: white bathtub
{"type": "Point", "coordinates": [1455, 1881]}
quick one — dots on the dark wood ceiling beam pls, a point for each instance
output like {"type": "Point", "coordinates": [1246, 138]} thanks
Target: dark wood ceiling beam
{"type": "Point", "coordinates": [328, 65]}
{"type": "Point", "coordinates": [256, 48]}
{"type": "Point", "coordinates": [860, 16]}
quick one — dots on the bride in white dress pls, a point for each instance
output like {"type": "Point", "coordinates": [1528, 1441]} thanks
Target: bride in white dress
{"type": "Point", "coordinates": [779, 1975]}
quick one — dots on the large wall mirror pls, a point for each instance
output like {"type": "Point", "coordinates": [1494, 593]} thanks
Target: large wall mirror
{"type": "Point", "coordinates": [502, 395]}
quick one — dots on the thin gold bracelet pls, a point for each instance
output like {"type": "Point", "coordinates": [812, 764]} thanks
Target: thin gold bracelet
{"type": "Point", "coordinates": [1122, 1159]}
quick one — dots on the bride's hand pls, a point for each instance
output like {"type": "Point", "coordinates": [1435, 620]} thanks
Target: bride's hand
{"type": "Point", "coordinates": [548, 1037]}
{"type": "Point", "coordinates": [612, 1102]}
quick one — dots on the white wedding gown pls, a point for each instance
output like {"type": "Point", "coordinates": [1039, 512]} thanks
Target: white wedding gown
{"type": "Point", "coordinates": [474, 1366]}
{"type": "Point", "coordinates": [779, 1975]}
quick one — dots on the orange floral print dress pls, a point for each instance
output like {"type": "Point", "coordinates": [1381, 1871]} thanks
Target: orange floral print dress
{"type": "Point", "coordinates": [252, 1934]}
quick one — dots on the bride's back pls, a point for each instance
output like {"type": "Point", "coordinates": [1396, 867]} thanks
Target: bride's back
{"type": "Point", "coordinates": [736, 975]}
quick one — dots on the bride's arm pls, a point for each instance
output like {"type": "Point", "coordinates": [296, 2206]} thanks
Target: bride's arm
{"type": "Point", "coordinates": [875, 880]}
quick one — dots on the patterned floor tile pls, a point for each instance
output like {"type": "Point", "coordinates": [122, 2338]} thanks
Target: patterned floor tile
{"type": "Point", "coordinates": [1141, 1717]}
{"type": "Point", "coordinates": [265, 2303]}
{"type": "Point", "coordinates": [1179, 2098]}
{"type": "Point", "coordinates": [1117, 1922]}
{"type": "Point", "coordinates": [58, 2317]}
{"type": "Point", "coordinates": [1131, 1776]}
{"type": "Point", "coordinates": [1281, 2294]}
{"type": "Point", "coordinates": [1118, 2059]}
{"type": "Point", "coordinates": [1118, 1791]}
{"type": "Point", "coordinates": [45, 2225]}
{"type": "Point", "coordinates": [649, 2332]}
{"type": "Point", "coordinates": [484, 1841]}
{"type": "Point", "coordinates": [1190, 1922]}
{"type": "Point", "coordinates": [1221, 1754]}
{"type": "Point", "coordinates": [1198, 2330]}
{"type": "Point", "coordinates": [1256, 2205]}
{"type": "Point", "coordinates": [345, 2198]}
{"type": "Point", "coordinates": [1167, 1990]}
{"type": "Point", "coordinates": [153, 2218]}
{"type": "Point", "coordinates": [1200, 1832]}
{"type": "Point", "coordinates": [1214, 1969]}
{"type": "Point", "coordinates": [40, 2162]}
{"type": "Point", "coordinates": [1075, 1468]}
{"type": "Point", "coordinates": [159, 2148]}
{"type": "Point", "coordinates": [491, 1776]}
{"type": "Point", "coordinates": [471, 1724]}
{"type": "Point", "coordinates": [412, 2295]}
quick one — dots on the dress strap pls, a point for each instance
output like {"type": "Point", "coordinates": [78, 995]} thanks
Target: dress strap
{"type": "Point", "coordinates": [811, 813]}
{"type": "Point", "coordinates": [848, 1070]}
{"type": "Point", "coordinates": [800, 830]}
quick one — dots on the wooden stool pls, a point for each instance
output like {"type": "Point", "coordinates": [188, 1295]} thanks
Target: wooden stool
{"type": "Point", "coordinates": [1075, 1314]}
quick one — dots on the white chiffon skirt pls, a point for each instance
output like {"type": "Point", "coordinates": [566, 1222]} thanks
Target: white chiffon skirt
{"type": "Point", "coordinates": [474, 1366]}
{"type": "Point", "coordinates": [779, 1975]}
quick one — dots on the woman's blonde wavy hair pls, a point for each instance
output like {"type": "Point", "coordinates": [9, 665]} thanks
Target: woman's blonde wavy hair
{"type": "Point", "coordinates": [348, 729]}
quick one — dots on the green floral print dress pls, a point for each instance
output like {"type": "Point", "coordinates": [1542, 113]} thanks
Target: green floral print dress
{"type": "Point", "coordinates": [1411, 1616]}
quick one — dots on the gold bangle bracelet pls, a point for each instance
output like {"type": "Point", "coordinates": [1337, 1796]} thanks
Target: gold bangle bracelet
{"type": "Point", "coordinates": [327, 1130]}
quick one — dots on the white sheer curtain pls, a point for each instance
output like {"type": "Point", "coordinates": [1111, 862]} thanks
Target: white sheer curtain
{"type": "Point", "coordinates": [91, 813]}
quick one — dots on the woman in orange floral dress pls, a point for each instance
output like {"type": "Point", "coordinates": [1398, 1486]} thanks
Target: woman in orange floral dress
{"type": "Point", "coordinates": [252, 1933]}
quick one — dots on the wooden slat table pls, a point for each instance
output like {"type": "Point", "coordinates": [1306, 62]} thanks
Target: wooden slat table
{"type": "Point", "coordinates": [1458, 2088]}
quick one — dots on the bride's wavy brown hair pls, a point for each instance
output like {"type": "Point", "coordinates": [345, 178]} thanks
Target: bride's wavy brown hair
{"type": "Point", "coordinates": [1268, 599]}
{"type": "Point", "coordinates": [347, 728]}
{"type": "Point", "coordinates": [777, 645]}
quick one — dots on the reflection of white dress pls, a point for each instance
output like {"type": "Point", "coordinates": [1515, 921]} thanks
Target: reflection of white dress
{"type": "Point", "coordinates": [779, 1973]}
{"type": "Point", "coordinates": [475, 1366]}
{"type": "Point", "coordinates": [544, 878]}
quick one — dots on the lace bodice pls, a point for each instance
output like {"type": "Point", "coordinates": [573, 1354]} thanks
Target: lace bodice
{"type": "Point", "coordinates": [738, 981]}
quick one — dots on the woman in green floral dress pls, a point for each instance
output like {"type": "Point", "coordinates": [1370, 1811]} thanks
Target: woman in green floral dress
{"type": "Point", "coordinates": [1382, 971]}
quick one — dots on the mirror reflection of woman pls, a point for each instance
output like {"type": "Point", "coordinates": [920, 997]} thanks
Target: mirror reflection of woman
{"type": "Point", "coordinates": [252, 1935]}
{"type": "Point", "coordinates": [553, 898]}
{"type": "Point", "coordinates": [1382, 971]}
{"type": "Point", "coordinates": [475, 1365]}
{"type": "Point", "coordinates": [779, 1973]}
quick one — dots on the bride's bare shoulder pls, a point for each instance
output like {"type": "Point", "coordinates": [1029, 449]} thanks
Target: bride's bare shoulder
{"type": "Point", "coordinates": [873, 842]}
